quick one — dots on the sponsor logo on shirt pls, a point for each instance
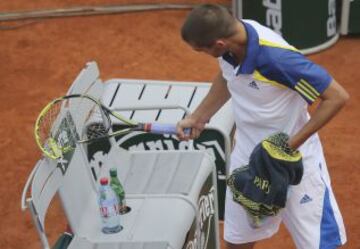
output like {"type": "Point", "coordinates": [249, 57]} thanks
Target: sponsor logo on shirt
{"type": "Point", "coordinates": [253, 84]}
{"type": "Point", "coordinates": [305, 199]}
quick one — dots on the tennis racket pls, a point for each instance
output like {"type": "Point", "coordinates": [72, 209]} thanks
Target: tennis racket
{"type": "Point", "coordinates": [55, 135]}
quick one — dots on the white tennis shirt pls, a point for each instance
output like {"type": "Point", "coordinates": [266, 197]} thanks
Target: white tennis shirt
{"type": "Point", "coordinates": [271, 90]}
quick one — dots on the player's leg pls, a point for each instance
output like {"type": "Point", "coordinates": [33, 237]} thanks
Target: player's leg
{"type": "Point", "coordinates": [312, 215]}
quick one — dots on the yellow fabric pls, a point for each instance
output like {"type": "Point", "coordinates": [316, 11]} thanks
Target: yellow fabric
{"type": "Point", "coordinates": [299, 89]}
{"type": "Point", "coordinates": [275, 152]}
{"type": "Point", "coordinates": [263, 42]}
{"type": "Point", "coordinates": [256, 209]}
{"type": "Point", "coordinates": [305, 89]}
{"type": "Point", "coordinates": [305, 84]}
{"type": "Point", "coordinates": [258, 76]}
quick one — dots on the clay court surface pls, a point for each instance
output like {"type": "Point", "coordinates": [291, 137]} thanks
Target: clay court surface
{"type": "Point", "coordinates": [40, 60]}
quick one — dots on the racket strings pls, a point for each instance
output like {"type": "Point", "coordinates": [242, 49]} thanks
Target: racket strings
{"type": "Point", "coordinates": [96, 130]}
{"type": "Point", "coordinates": [46, 123]}
{"type": "Point", "coordinates": [98, 122]}
{"type": "Point", "coordinates": [53, 132]}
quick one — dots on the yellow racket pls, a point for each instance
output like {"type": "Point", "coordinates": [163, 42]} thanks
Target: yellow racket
{"type": "Point", "coordinates": [55, 137]}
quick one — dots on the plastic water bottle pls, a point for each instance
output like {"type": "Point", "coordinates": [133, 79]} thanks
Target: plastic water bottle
{"type": "Point", "coordinates": [109, 203]}
{"type": "Point", "coordinates": [118, 189]}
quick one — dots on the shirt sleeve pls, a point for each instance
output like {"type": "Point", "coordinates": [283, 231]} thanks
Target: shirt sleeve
{"type": "Point", "coordinates": [294, 70]}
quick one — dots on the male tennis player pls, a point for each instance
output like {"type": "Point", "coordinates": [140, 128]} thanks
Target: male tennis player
{"type": "Point", "coordinates": [270, 84]}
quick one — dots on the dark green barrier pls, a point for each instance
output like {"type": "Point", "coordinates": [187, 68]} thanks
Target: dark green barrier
{"type": "Point", "coordinates": [354, 20]}
{"type": "Point", "coordinates": [306, 24]}
{"type": "Point", "coordinates": [350, 17]}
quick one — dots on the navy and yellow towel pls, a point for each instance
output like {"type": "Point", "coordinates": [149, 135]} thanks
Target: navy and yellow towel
{"type": "Point", "coordinates": [261, 186]}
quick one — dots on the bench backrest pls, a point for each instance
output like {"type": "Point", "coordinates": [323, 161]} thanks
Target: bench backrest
{"type": "Point", "coordinates": [46, 182]}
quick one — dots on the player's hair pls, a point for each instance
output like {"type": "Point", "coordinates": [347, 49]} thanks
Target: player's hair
{"type": "Point", "coordinates": [207, 23]}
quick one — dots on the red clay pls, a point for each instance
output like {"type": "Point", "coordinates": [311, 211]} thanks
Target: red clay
{"type": "Point", "coordinates": [40, 61]}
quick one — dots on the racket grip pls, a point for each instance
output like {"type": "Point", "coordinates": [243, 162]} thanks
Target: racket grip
{"type": "Point", "coordinates": [158, 128]}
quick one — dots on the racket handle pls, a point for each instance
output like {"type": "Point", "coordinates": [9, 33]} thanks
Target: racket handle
{"type": "Point", "coordinates": [158, 128]}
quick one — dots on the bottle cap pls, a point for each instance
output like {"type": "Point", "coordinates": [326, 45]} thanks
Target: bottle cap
{"type": "Point", "coordinates": [104, 181]}
{"type": "Point", "coordinates": [113, 172]}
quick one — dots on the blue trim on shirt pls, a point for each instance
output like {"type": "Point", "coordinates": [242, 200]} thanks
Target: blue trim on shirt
{"type": "Point", "coordinates": [230, 59]}
{"type": "Point", "coordinates": [282, 65]}
{"type": "Point", "coordinates": [329, 230]}
{"type": "Point", "coordinates": [288, 68]}
{"type": "Point", "coordinates": [248, 65]}
{"type": "Point", "coordinates": [252, 49]}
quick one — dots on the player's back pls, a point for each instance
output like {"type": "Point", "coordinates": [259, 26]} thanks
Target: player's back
{"type": "Point", "coordinates": [265, 95]}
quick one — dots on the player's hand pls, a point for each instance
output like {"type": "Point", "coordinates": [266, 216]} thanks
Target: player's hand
{"type": "Point", "coordinates": [189, 123]}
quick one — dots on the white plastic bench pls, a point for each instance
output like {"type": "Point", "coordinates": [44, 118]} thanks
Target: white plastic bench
{"type": "Point", "coordinates": [168, 102]}
{"type": "Point", "coordinates": [167, 183]}
{"type": "Point", "coordinates": [172, 196]}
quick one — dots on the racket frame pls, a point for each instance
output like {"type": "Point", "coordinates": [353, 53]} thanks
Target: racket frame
{"type": "Point", "coordinates": [105, 114]}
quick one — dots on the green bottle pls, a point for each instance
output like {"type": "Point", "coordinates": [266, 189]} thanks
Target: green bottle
{"type": "Point", "coordinates": [118, 189]}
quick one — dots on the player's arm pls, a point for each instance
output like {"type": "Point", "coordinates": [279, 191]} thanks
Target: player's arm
{"type": "Point", "coordinates": [217, 96]}
{"type": "Point", "coordinates": [332, 100]}
{"type": "Point", "coordinates": [310, 80]}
